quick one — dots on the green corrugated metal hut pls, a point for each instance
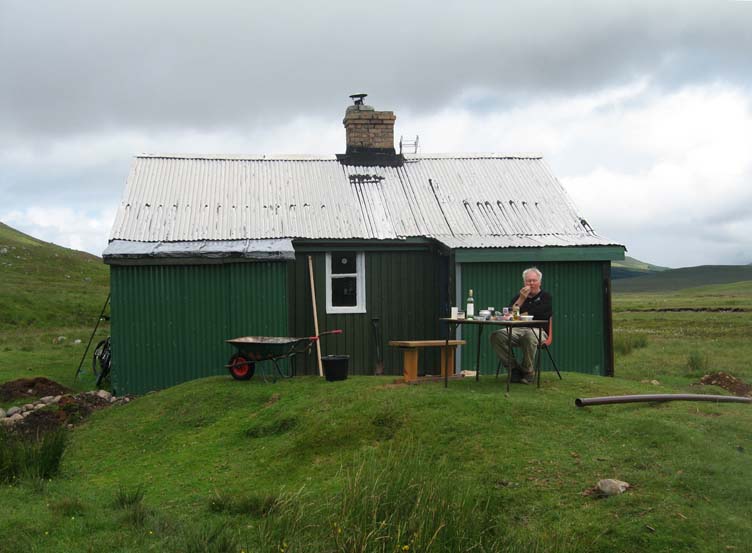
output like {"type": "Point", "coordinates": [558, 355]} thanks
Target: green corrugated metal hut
{"type": "Point", "coordinates": [209, 248]}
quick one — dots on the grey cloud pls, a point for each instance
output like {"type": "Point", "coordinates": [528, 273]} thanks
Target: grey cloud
{"type": "Point", "coordinates": [91, 66]}
{"type": "Point", "coordinates": [86, 188]}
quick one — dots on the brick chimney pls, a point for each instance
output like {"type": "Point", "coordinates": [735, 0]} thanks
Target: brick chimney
{"type": "Point", "coordinates": [368, 131]}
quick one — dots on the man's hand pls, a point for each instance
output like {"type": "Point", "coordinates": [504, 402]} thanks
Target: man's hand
{"type": "Point", "coordinates": [524, 293]}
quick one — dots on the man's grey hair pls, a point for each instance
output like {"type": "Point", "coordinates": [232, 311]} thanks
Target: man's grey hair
{"type": "Point", "coordinates": [532, 270]}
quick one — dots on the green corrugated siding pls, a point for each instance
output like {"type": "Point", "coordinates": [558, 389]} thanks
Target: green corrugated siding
{"type": "Point", "coordinates": [578, 296]}
{"type": "Point", "coordinates": [169, 323]}
{"type": "Point", "coordinates": [402, 288]}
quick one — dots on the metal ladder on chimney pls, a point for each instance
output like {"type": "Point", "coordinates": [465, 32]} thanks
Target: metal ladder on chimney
{"type": "Point", "coordinates": [404, 144]}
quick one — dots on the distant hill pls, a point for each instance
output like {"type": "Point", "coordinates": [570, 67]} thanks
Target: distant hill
{"type": "Point", "coordinates": [687, 277]}
{"type": "Point", "coordinates": [632, 267]}
{"type": "Point", "coordinates": [48, 286]}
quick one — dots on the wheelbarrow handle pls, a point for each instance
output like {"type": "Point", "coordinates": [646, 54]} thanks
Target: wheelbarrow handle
{"type": "Point", "coordinates": [314, 338]}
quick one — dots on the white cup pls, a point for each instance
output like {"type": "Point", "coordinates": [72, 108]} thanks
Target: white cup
{"type": "Point", "coordinates": [454, 313]}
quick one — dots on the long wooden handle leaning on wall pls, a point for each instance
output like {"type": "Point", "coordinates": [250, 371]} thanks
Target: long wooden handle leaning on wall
{"type": "Point", "coordinates": [315, 316]}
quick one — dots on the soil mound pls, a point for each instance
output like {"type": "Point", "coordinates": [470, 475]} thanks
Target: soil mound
{"type": "Point", "coordinates": [61, 408]}
{"type": "Point", "coordinates": [727, 382]}
{"type": "Point", "coordinates": [31, 387]}
{"type": "Point", "coordinates": [38, 424]}
{"type": "Point", "coordinates": [71, 410]}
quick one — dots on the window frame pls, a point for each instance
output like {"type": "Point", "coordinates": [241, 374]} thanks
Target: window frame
{"type": "Point", "coordinates": [360, 286]}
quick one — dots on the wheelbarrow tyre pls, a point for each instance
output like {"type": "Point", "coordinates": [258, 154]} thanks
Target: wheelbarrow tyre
{"type": "Point", "coordinates": [241, 368]}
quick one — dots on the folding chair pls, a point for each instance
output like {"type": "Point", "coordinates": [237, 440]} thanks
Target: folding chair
{"type": "Point", "coordinates": [545, 345]}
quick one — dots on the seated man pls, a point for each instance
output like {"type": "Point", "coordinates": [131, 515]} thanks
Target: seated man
{"type": "Point", "coordinates": [531, 301]}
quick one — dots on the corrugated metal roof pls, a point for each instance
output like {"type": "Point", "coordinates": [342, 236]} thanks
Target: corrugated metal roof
{"type": "Point", "coordinates": [465, 201]}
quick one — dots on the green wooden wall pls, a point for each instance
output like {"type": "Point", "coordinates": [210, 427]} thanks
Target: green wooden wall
{"type": "Point", "coordinates": [581, 330]}
{"type": "Point", "coordinates": [169, 323]}
{"type": "Point", "coordinates": [402, 288]}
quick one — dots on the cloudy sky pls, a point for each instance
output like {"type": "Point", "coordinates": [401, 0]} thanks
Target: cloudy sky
{"type": "Point", "coordinates": [642, 109]}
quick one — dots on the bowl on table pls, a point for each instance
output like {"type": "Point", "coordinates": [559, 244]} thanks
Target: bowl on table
{"type": "Point", "coordinates": [526, 317]}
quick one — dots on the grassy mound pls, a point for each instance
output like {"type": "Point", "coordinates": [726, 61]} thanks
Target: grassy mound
{"type": "Point", "coordinates": [363, 465]}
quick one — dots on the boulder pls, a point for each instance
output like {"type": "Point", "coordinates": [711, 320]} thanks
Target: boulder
{"type": "Point", "coordinates": [609, 486]}
{"type": "Point", "coordinates": [12, 411]}
{"type": "Point", "coordinates": [104, 394]}
{"type": "Point", "coordinates": [48, 399]}
{"type": "Point", "coordinates": [2, 413]}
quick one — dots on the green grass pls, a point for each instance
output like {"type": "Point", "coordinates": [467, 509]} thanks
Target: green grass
{"type": "Point", "coordinates": [720, 339]}
{"type": "Point", "coordinates": [513, 467]}
{"type": "Point", "coordinates": [737, 295]}
{"type": "Point", "coordinates": [127, 498]}
{"type": "Point", "coordinates": [33, 460]}
{"type": "Point", "coordinates": [47, 286]}
{"type": "Point", "coordinates": [624, 344]}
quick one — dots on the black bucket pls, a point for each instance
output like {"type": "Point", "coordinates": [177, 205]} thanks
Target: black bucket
{"type": "Point", "coordinates": [335, 366]}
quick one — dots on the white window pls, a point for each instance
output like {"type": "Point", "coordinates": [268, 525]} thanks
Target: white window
{"type": "Point", "coordinates": [345, 282]}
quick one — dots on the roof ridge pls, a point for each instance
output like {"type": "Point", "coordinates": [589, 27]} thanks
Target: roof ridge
{"type": "Point", "coordinates": [313, 157]}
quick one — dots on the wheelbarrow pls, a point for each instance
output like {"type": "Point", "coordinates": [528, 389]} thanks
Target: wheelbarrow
{"type": "Point", "coordinates": [255, 349]}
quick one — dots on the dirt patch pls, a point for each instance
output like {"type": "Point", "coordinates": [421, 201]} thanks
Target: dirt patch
{"type": "Point", "coordinates": [727, 382]}
{"type": "Point", "coordinates": [31, 387]}
{"type": "Point", "coordinates": [69, 411]}
{"type": "Point", "coordinates": [37, 424]}
{"type": "Point", "coordinates": [78, 407]}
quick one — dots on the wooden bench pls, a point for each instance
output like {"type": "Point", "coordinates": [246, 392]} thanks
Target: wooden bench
{"type": "Point", "coordinates": [410, 349]}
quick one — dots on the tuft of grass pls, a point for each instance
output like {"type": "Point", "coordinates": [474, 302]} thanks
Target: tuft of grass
{"type": "Point", "coordinates": [389, 501]}
{"type": "Point", "coordinates": [68, 507]}
{"type": "Point", "coordinates": [31, 459]}
{"type": "Point", "coordinates": [387, 424]}
{"type": "Point", "coordinates": [255, 506]}
{"type": "Point", "coordinates": [126, 498]}
{"type": "Point", "coordinates": [624, 344]}
{"type": "Point", "coordinates": [208, 537]}
{"type": "Point", "coordinates": [136, 515]}
{"type": "Point", "coordinates": [698, 363]}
